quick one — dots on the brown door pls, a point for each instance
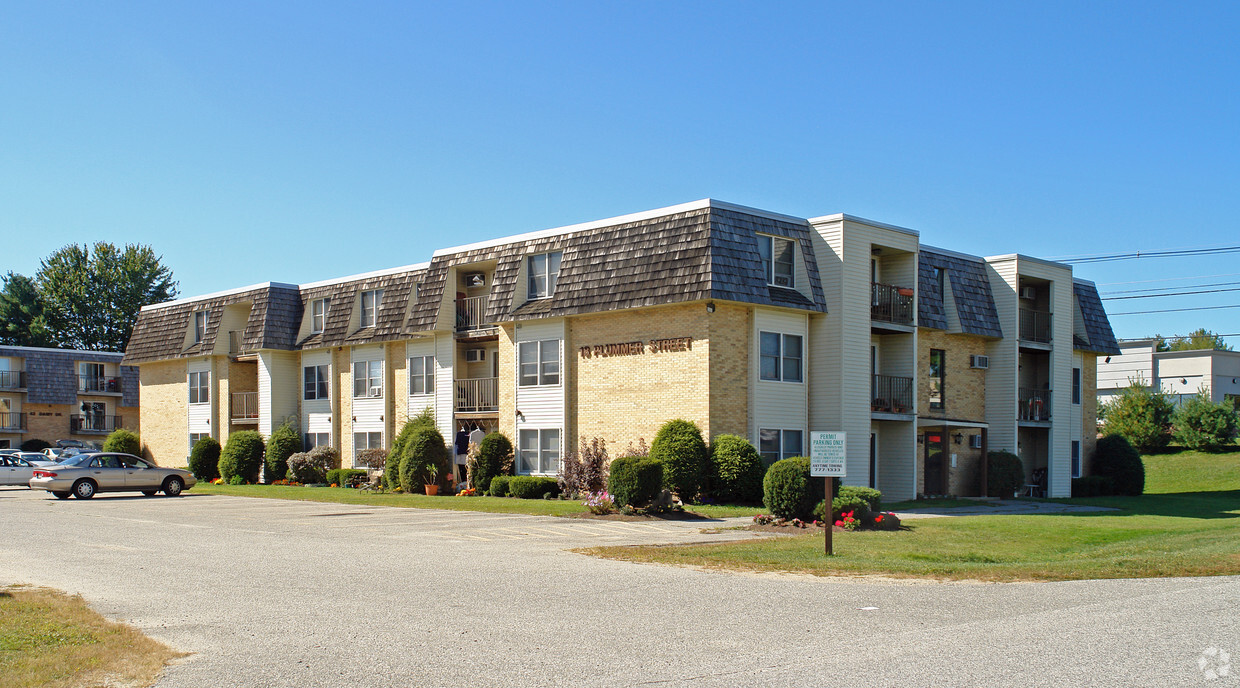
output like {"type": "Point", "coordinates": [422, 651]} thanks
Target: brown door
{"type": "Point", "coordinates": [934, 463]}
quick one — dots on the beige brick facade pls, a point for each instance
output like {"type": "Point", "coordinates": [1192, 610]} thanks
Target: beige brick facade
{"type": "Point", "coordinates": [730, 334]}
{"type": "Point", "coordinates": [163, 412]}
{"type": "Point", "coordinates": [964, 388]}
{"type": "Point", "coordinates": [1089, 411]}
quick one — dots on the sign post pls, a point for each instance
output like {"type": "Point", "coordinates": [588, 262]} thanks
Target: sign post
{"type": "Point", "coordinates": [827, 453]}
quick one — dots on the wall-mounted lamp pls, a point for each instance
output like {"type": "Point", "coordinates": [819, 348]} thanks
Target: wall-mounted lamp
{"type": "Point", "coordinates": [1107, 359]}
{"type": "Point", "coordinates": [710, 307]}
{"type": "Point", "coordinates": [921, 439]}
{"type": "Point", "coordinates": [520, 416]}
{"type": "Point", "coordinates": [1184, 381]}
{"type": "Point", "coordinates": [958, 438]}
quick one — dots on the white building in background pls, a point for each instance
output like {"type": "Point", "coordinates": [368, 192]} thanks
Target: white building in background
{"type": "Point", "coordinates": [1181, 374]}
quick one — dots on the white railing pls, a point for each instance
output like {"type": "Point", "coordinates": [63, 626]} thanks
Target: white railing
{"type": "Point", "coordinates": [477, 394]}
{"type": "Point", "coordinates": [471, 313]}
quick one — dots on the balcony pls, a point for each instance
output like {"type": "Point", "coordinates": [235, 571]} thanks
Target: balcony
{"type": "Point", "coordinates": [245, 407]}
{"type": "Point", "coordinates": [477, 395]}
{"type": "Point", "coordinates": [890, 394]}
{"type": "Point", "coordinates": [891, 304]}
{"type": "Point", "coordinates": [471, 314]}
{"type": "Point", "coordinates": [98, 384]}
{"type": "Point", "coordinates": [1033, 405]}
{"type": "Point", "coordinates": [12, 421]}
{"type": "Point", "coordinates": [93, 424]}
{"type": "Point", "coordinates": [12, 379]}
{"type": "Point", "coordinates": [1035, 326]}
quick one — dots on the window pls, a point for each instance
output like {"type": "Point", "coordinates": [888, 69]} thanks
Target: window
{"type": "Point", "coordinates": [1076, 458]}
{"type": "Point", "coordinates": [539, 362]}
{"type": "Point", "coordinates": [366, 440]}
{"type": "Point", "coordinates": [778, 258]}
{"type": "Point", "coordinates": [780, 357]}
{"type": "Point", "coordinates": [367, 379]}
{"type": "Point", "coordinates": [422, 375]}
{"type": "Point", "coordinates": [195, 436]}
{"type": "Point", "coordinates": [370, 305]}
{"type": "Point", "coordinates": [1076, 385]}
{"type": "Point", "coordinates": [318, 314]}
{"type": "Point", "coordinates": [316, 439]}
{"type": "Point", "coordinates": [937, 375]}
{"type": "Point", "coordinates": [539, 451]}
{"type": "Point", "coordinates": [91, 378]}
{"type": "Point", "coordinates": [937, 274]}
{"type": "Point", "coordinates": [200, 388]}
{"type": "Point", "coordinates": [774, 444]}
{"type": "Point", "coordinates": [544, 271]}
{"type": "Point", "coordinates": [315, 382]}
{"type": "Point", "coordinates": [200, 326]}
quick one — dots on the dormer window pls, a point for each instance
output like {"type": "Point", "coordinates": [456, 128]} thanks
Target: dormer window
{"type": "Point", "coordinates": [318, 315]}
{"type": "Point", "coordinates": [370, 306]}
{"type": "Point", "coordinates": [544, 270]}
{"type": "Point", "coordinates": [778, 258]}
{"type": "Point", "coordinates": [200, 326]}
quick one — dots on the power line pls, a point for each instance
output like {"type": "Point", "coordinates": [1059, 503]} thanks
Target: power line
{"type": "Point", "coordinates": [1178, 293]}
{"type": "Point", "coordinates": [1172, 253]}
{"type": "Point", "coordinates": [1186, 286]}
{"type": "Point", "coordinates": [1169, 279]}
{"type": "Point", "coordinates": [1177, 310]}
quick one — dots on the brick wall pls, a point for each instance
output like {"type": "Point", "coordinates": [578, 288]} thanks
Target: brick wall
{"type": "Point", "coordinates": [964, 388]}
{"type": "Point", "coordinates": [508, 386]}
{"type": "Point", "coordinates": [48, 422]}
{"type": "Point", "coordinates": [1089, 411]}
{"type": "Point", "coordinates": [164, 423]}
{"type": "Point", "coordinates": [342, 421]}
{"type": "Point", "coordinates": [729, 339]}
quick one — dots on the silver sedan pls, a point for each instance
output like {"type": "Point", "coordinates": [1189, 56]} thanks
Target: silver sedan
{"type": "Point", "coordinates": [85, 474]}
{"type": "Point", "coordinates": [18, 469]}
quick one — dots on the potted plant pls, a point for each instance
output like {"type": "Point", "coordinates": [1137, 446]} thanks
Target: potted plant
{"type": "Point", "coordinates": [432, 476]}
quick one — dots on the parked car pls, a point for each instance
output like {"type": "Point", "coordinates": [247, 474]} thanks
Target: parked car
{"type": "Point", "coordinates": [85, 474]}
{"type": "Point", "coordinates": [15, 470]}
{"type": "Point", "coordinates": [36, 458]}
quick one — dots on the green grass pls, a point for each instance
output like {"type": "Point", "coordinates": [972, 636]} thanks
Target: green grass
{"type": "Point", "coordinates": [1187, 524]}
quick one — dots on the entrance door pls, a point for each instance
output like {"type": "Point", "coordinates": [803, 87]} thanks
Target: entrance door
{"type": "Point", "coordinates": [934, 463]}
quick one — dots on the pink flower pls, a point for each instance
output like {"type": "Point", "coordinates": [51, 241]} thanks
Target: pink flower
{"type": "Point", "coordinates": [839, 523]}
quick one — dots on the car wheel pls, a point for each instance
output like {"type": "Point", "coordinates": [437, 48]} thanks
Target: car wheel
{"type": "Point", "coordinates": [173, 487]}
{"type": "Point", "coordinates": [62, 495]}
{"type": "Point", "coordinates": [149, 493]}
{"type": "Point", "coordinates": [84, 489]}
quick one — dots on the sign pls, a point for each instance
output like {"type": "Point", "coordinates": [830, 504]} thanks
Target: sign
{"type": "Point", "coordinates": [827, 451]}
{"type": "Point", "coordinates": [637, 348]}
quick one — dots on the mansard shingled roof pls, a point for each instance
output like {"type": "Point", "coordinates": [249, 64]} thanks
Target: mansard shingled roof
{"type": "Point", "coordinates": [970, 287]}
{"type": "Point", "coordinates": [343, 298]}
{"type": "Point", "coordinates": [1097, 326]}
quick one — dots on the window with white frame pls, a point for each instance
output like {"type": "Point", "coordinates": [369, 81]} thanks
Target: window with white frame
{"type": "Point", "coordinates": [778, 260]}
{"type": "Point", "coordinates": [318, 314]}
{"type": "Point", "coordinates": [370, 306]}
{"type": "Point", "coordinates": [310, 440]}
{"type": "Point", "coordinates": [1076, 458]}
{"type": "Point", "coordinates": [544, 272]}
{"type": "Point", "coordinates": [200, 387]}
{"type": "Point", "coordinates": [315, 382]}
{"type": "Point", "coordinates": [539, 451]}
{"type": "Point", "coordinates": [422, 375]}
{"type": "Point", "coordinates": [367, 379]}
{"type": "Point", "coordinates": [776, 444]}
{"type": "Point", "coordinates": [195, 436]}
{"type": "Point", "coordinates": [780, 357]}
{"type": "Point", "coordinates": [539, 363]}
{"type": "Point", "coordinates": [366, 440]}
{"type": "Point", "coordinates": [200, 326]}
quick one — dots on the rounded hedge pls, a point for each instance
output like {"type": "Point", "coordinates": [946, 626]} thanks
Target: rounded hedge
{"type": "Point", "coordinates": [680, 447]}
{"type": "Point", "coordinates": [532, 487]}
{"type": "Point", "coordinates": [124, 442]}
{"type": "Point", "coordinates": [35, 445]}
{"type": "Point", "coordinates": [737, 469]}
{"type": "Point", "coordinates": [492, 453]}
{"type": "Point", "coordinates": [635, 480]}
{"type": "Point", "coordinates": [283, 443]}
{"type": "Point", "coordinates": [204, 459]}
{"type": "Point", "coordinates": [242, 456]}
{"type": "Point", "coordinates": [391, 468]}
{"type": "Point", "coordinates": [424, 450]}
{"type": "Point", "coordinates": [872, 497]}
{"type": "Point", "coordinates": [499, 486]}
{"type": "Point", "coordinates": [788, 491]}
{"type": "Point", "coordinates": [1005, 474]}
{"type": "Point", "coordinates": [1115, 458]}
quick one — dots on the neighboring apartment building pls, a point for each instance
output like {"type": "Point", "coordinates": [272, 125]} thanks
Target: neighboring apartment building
{"type": "Point", "coordinates": [744, 321]}
{"type": "Point", "coordinates": [56, 394]}
{"type": "Point", "coordinates": [1181, 374]}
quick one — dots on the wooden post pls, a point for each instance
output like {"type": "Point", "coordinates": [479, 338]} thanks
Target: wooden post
{"type": "Point", "coordinates": [829, 512]}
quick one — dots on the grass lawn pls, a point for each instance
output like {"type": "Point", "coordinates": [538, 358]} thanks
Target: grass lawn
{"type": "Point", "coordinates": [1187, 524]}
{"type": "Point", "coordinates": [498, 505]}
{"type": "Point", "coordinates": [48, 638]}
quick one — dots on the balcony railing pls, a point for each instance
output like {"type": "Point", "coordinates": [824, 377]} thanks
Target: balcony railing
{"type": "Point", "coordinates": [1035, 326]}
{"type": "Point", "coordinates": [12, 379]}
{"type": "Point", "coordinates": [12, 420]}
{"type": "Point", "coordinates": [98, 383]}
{"type": "Point", "coordinates": [93, 423]}
{"type": "Point", "coordinates": [477, 394]}
{"type": "Point", "coordinates": [891, 304]}
{"type": "Point", "coordinates": [1033, 404]}
{"type": "Point", "coordinates": [890, 394]}
{"type": "Point", "coordinates": [244, 406]}
{"type": "Point", "coordinates": [471, 313]}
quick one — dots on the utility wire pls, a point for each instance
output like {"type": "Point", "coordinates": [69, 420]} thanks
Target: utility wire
{"type": "Point", "coordinates": [1168, 279]}
{"type": "Point", "coordinates": [1177, 310]}
{"type": "Point", "coordinates": [1186, 286]}
{"type": "Point", "coordinates": [1178, 293]}
{"type": "Point", "coordinates": [1172, 253]}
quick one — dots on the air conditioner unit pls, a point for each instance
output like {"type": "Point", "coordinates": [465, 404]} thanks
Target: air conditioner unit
{"type": "Point", "coordinates": [783, 281]}
{"type": "Point", "coordinates": [376, 391]}
{"type": "Point", "coordinates": [1028, 293]}
{"type": "Point", "coordinates": [982, 362]}
{"type": "Point", "coordinates": [975, 441]}
{"type": "Point", "coordinates": [475, 355]}
{"type": "Point", "coordinates": [475, 279]}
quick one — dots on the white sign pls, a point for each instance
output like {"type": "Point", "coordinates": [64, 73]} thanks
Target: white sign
{"type": "Point", "coordinates": [827, 451]}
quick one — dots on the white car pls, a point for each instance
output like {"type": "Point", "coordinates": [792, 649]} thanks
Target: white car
{"type": "Point", "coordinates": [15, 470]}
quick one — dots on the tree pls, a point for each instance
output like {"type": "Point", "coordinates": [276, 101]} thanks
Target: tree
{"type": "Point", "coordinates": [1205, 425]}
{"type": "Point", "coordinates": [1142, 416]}
{"type": "Point", "coordinates": [1200, 338]}
{"type": "Point", "coordinates": [92, 296]}
{"type": "Point", "coordinates": [22, 318]}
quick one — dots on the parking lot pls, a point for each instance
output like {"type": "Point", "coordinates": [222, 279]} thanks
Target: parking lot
{"type": "Point", "coordinates": [277, 593]}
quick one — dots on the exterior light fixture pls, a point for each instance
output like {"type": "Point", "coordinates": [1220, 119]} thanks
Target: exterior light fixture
{"type": "Point", "coordinates": [958, 438]}
{"type": "Point", "coordinates": [1184, 381]}
{"type": "Point", "coordinates": [1107, 359]}
{"type": "Point", "coordinates": [710, 307]}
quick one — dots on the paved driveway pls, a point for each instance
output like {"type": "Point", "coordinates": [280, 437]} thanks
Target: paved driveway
{"type": "Point", "coordinates": [275, 593]}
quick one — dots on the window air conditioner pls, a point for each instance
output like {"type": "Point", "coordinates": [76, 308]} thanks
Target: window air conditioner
{"type": "Point", "coordinates": [1028, 293]}
{"type": "Point", "coordinates": [475, 279]}
{"type": "Point", "coordinates": [982, 362]}
{"type": "Point", "coordinates": [975, 441]}
{"type": "Point", "coordinates": [376, 391]}
{"type": "Point", "coordinates": [475, 355]}
{"type": "Point", "coordinates": [783, 281]}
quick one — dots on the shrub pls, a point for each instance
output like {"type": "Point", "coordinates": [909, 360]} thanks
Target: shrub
{"type": "Point", "coordinates": [1118, 460]}
{"type": "Point", "coordinates": [243, 456]}
{"type": "Point", "coordinates": [886, 521]}
{"type": "Point", "coordinates": [423, 459]}
{"type": "Point", "coordinates": [35, 445]}
{"type": "Point", "coordinates": [532, 487]}
{"type": "Point", "coordinates": [858, 506]}
{"type": "Point", "coordinates": [635, 480]}
{"type": "Point", "coordinates": [1204, 425]}
{"type": "Point", "coordinates": [237, 480]}
{"type": "Point", "coordinates": [1142, 416]}
{"type": "Point", "coordinates": [788, 490]}
{"type": "Point", "coordinates": [1005, 474]}
{"type": "Point", "coordinates": [736, 469]}
{"type": "Point", "coordinates": [1093, 486]}
{"type": "Point", "coordinates": [391, 467]}
{"type": "Point", "coordinates": [494, 452]}
{"type": "Point", "coordinates": [283, 443]}
{"type": "Point", "coordinates": [872, 497]}
{"type": "Point", "coordinates": [204, 459]}
{"type": "Point", "coordinates": [123, 441]}
{"type": "Point", "coordinates": [679, 445]}
{"type": "Point", "coordinates": [346, 477]}
{"type": "Point", "coordinates": [311, 467]}
{"type": "Point", "coordinates": [373, 459]}
{"type": "Point", "coordinates": [585, 472]}
{"type": "Point", "coordinates": [499, 486]}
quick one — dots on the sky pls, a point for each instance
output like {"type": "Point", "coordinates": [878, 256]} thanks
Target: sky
{"type": "Point", "coordinates": [295, 142]}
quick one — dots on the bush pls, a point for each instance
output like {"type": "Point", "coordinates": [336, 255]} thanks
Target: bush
{"type": "Point", "coordinates": [391, 468]}
{"type": "Point", "coordinates": [585, 472]}
{"type": "Point", "coordinates": [1142, 416]}
{"type": "Point", "coordinates": [1093, 486]}
{"type": "Point", "coordinates": [532, 487]}
{"type": "Point", "coordinates": [372, 459]}
{"type": "Point", "coordinates": [204, 459]}
{"type": "Point", "coordinates": [237, 480]}
{"type": "Point", "coordinates": [886, 521]}
{"type": "Point", "coordinates": [736, 469]}
{"type": "Point", "coordinates": [499, 486]}
{"type": "Point", "coordinates": [494, 452]}
{"type": "Point", "coordinates": [679, 445]}
{"type": "Point", "coordinates": [635, 480]}
{"type": "Point", "coordinates": [872, 497]}
{"type": "Point", "coordinates": [311, 467]}
{"type": "Point", "coordinates": [853, 503]}
{"type": "Point", "coordinates": [423, 459]}
{"type": "Point", "coordinates": [1204, 425]}
{"type": "Point", "coordinates": [1005, 474]}
{"type": "Point", "coordinates": [35, 445]}
{"type": "Point", "coordinates": [123, 441]}
{"type": "Point", "coordinates": [1118, 460]}
{"type": "Point", "coordinates": [788, 490]}
{"type": "Point", "coordinates": [346, 477]}
{"type": "Point", "coordinates": [283, 443]}
{"type": "Point", "coordinates": [242, 456]}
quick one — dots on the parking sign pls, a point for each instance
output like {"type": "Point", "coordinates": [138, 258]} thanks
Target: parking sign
{"type": "Point", "coordinates": [826, 454]}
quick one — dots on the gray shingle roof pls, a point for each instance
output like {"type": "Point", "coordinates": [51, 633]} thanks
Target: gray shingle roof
{"type": "Point", "coordinates": [1097, 326]}
{"type": "Point", "coordinates": [970, 287]}
{"type": "Point", "coordinates": [344, 297]}
{"type": "Point", "coordinates": [52, 378]}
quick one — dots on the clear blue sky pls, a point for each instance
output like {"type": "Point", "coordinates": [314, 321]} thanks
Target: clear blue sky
{"type": "Point", "coordinates": [315, 140]}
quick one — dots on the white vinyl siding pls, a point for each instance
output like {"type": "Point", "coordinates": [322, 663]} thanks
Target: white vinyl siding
{"type": "Point", "coordinates": [778, 404]}
{"type": "Point", "coordinates": [367, 412]}
{"type": "Point", "coordinates": [279, 388]}
{"type": "Point", "coordinates": [198, 413]}
{"type": "Point", "coordinates": [316, 414]}
{"type": "Point", "coordinates": [542, 406]}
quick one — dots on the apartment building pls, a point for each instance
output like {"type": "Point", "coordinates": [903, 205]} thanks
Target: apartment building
{"type": "Point", "coordinates": [742, 320]}
{"type": "Point", "coordinates": [1180, 374]}
{"type": "Point", "coordinates": [56, 394]}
